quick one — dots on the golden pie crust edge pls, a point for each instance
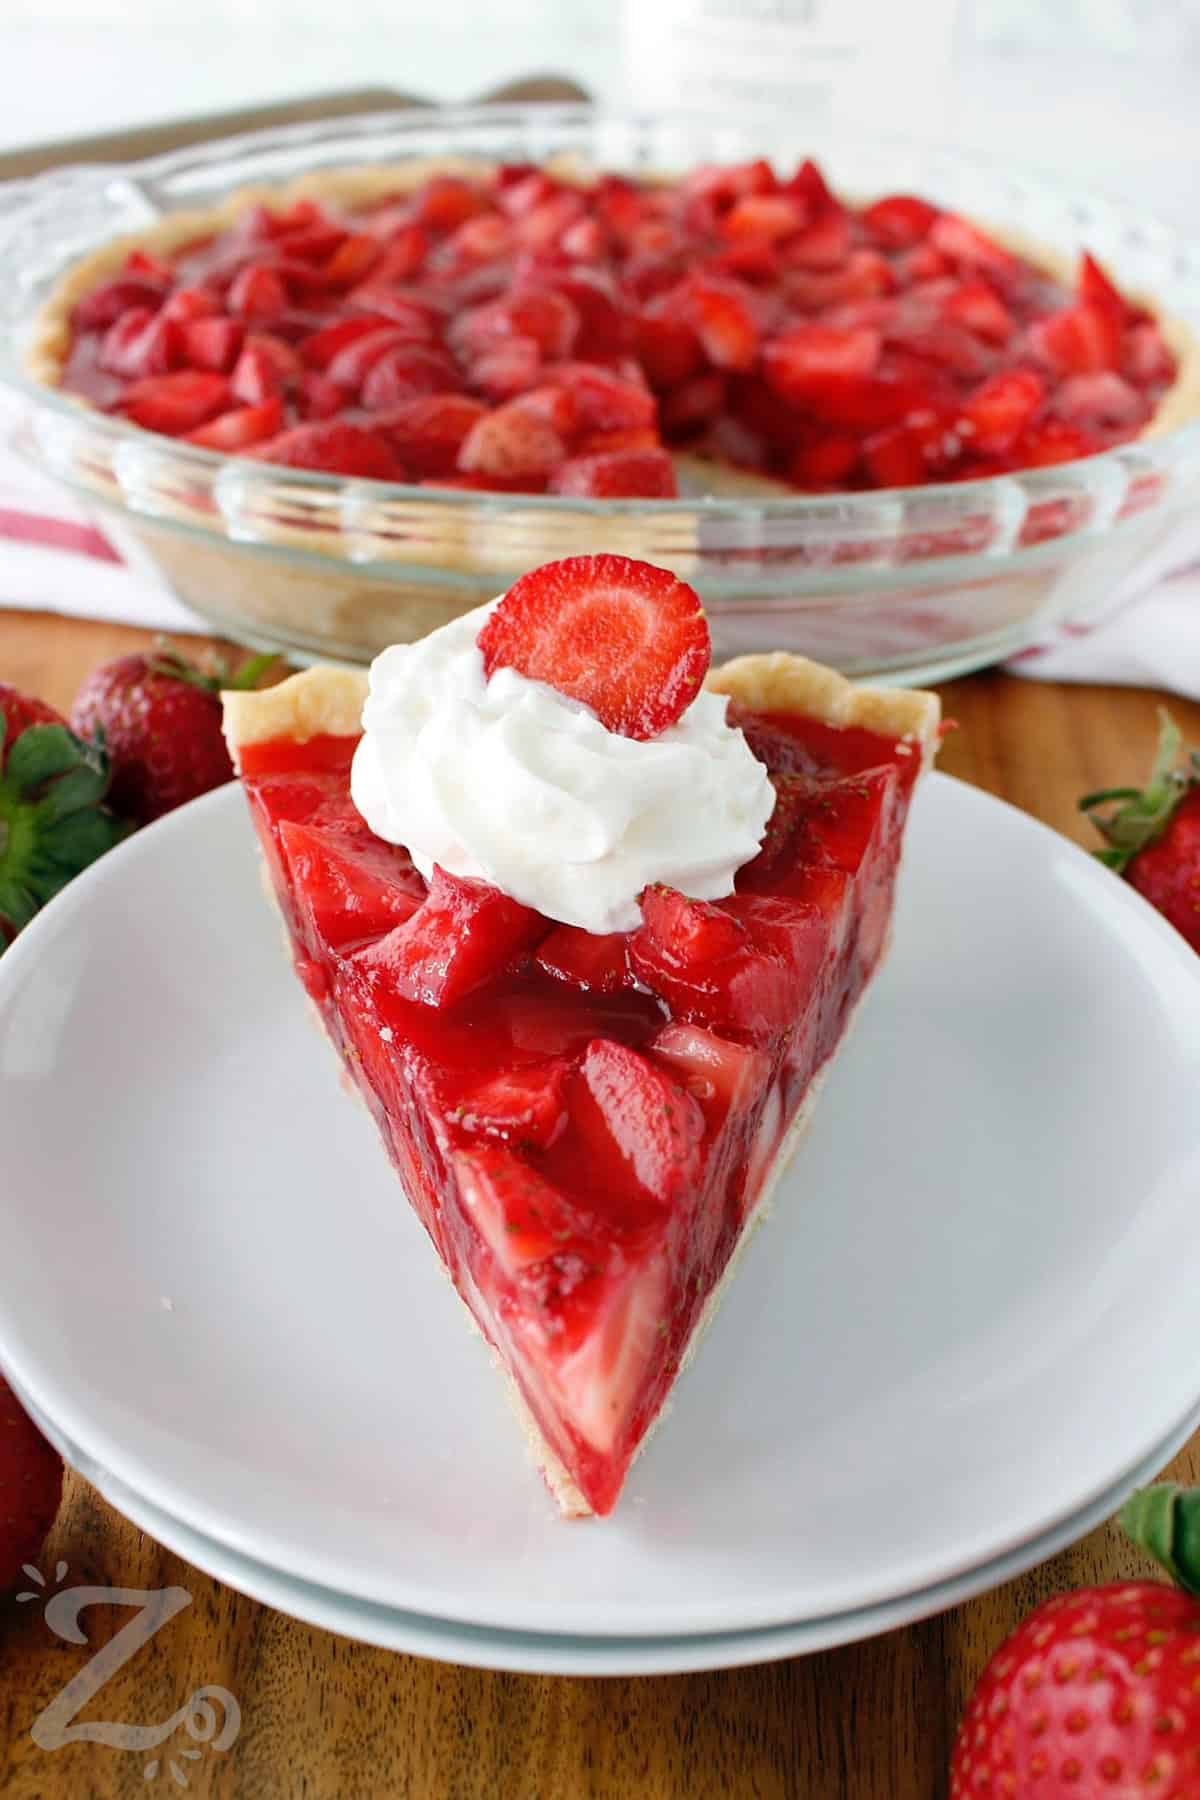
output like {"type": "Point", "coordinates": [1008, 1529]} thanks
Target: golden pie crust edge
{"type": "Point", "coordinates": [326, 700]}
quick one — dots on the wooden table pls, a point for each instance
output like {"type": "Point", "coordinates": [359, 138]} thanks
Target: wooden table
{"type": "Point", "coordinates": [339, 1721]}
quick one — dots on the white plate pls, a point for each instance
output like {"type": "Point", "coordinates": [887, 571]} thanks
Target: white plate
{"type": "Point", "coordinates": [557, 1654]}
{"type": "Point", "coordinates": [974, 1309]}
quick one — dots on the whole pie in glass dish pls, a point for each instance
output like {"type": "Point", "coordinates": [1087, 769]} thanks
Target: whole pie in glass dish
{"type": "Point", "coordinates": [587, 923]}
{"type": "Point", "coordinates": [529, 329]}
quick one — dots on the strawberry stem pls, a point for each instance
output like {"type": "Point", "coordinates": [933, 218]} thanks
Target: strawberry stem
{"type": "Point", "coordinates": [1165, 1520]}
{"type": "Point", "coordinates": [1142, 814]}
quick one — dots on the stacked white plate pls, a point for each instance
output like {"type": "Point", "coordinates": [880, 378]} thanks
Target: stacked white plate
{"type": "Point", "coordinates": [968, 1331]}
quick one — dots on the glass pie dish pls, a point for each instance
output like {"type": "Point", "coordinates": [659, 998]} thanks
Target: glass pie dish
{"type": "Point", "coordinates": [914, 583]}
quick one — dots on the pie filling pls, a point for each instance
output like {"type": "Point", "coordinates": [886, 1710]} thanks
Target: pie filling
{"type": "Point", "coordinates": [524, 333]}
{"type": "Point", "coordinates": [584, 1124]}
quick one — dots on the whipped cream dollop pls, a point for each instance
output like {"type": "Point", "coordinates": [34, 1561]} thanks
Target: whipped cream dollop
{"type": "Point", "coordinates": [509, 782]}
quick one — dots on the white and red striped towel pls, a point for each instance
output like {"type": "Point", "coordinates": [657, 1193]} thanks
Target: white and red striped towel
{"type": "Point", "coordinates": [56, 557]}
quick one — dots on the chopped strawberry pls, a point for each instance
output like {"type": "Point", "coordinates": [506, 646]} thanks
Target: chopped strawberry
{"type": "Point", "coordinates": [466, 933]}
{"type": "Point", "coordinates": [696, 931]}
{"type": "Point", "coordinates": [187, 304]}
{"type": "Point", "coordinates": [725, 1077]}
{"type": "Point", "coordinates": [1047, 442]}
{"type": "Point", "coordinates": [722, 312]}
{"type": "Point", "coordinates": [335, 448]}
{"type": "Point", "coordinates": [826, 463]}
{"type": "Point", "coordinates": [317, 398]}
{"type": "Point", "coordinates": [692, 405]}
{"type": "Point", "coordinates": [213, 343]}
{"type": "Point", "coordinates": [525, 1105]}
{"type": "Point", "coordinates": [595, 962]}
{"type": "Point", "coordinates": [1095, 288]}
{"type": "Point", "coordinates": [899, 221]}
{"type": "Point", "coordinates": [1145, 357]}
{"type": "Point", "coordinates": [1002, 407]}
{"type": "Point", "coordinates": [354, 886]}
{"type": "Point", "coordinates": [104, 305]}
{"type": "Point", "coordinates": [895, 457]}
{"type": "Point", "coordinates": [354, 361]}
{"type": "Point", "coordinates": [321, 347]}
{"type": "Point", "coordinates": [619, 475]}
{"type": "Point", "coordinates": [510, 368]}
{"type": "Point", "coordinates": [1103, 402]}
{"type": "Point", "coordinates": [603, 322]}
{"type": "Point", "coordinates": [1078, 340]}
{"type": "Point", "coordinates": [482, 239]}
{"type": "Point", "coordinates": [427, 432]}
{"type": "Point", "coordinates": [257, 292]}
{"type": "Point", "coordinates": [353, 260]}
{"type": "Point", "coordinates": [668, 348]}
{"type": "Point", "coordinates": [404, 254]}
{"type": "Point", "coordinates": [626, 639]}
{"type": "Point", "coordinates": [967, 246]}
{"type": "Point", "coordinates": [804, 360]}
{"type": "Point", "coordinates": [809, 185]}
{"type": "Point", "coordinates": [822, 245]}
{"type": "Point", "coordinates": [235, 431]}
{"type": "Point", "coordinates": [405, 372]}
{"type": "Point", "coordinates": [977, 306]}
{"type": "Point", "coordinates": [445, 202]}
{"type": "Point", "coordinates": [175, 404]}
{"type": "Point", "coordinates": [608, 443]}
{"type": "Point", "coordinates": [766, 216]}
{"type": "Point", "coordinates": [142, 343]}
{"type": "Point", "coordinates": [520, 1216]}
{"type": "Point", "coordinates": [585, 241]}
{"type": "Point", "coordinates": [637, 1121]}
{"type": "Point", "coordinates": [556, 405]}
{"type": "Point", "coordinates": [509, 442]}
{"type": "Point", "coordinates": [606, 401]}
{"type": "Point", "coordinates": [544, 315]}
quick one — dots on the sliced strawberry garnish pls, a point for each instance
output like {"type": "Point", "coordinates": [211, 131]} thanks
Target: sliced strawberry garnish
{"type": "Point", "coordinates": [521, 1105]}
{"type": "Point", "coordinates": [969, 247]}
{"type": "Point", "coordinates": [1145, 356]}
{"type": "Point", "coordinates": [1002, 407]}
{"type": "Point", "coordinates": [187, 304]}
{"type": "Point", "coordinates": [509, 368]}
{"type": "Point", "coordinates": [626, 639]}
{"type": "Point", "coordinates": [320, 348]}
{"type": "Point", "coordinates": [1096, 288]}
{"type": "Point", "coordinates": [822, 245]}
{"type": "Point", "coordinates": [825, 463]}
{"type": "Point", "coordinates": [465, 934]}
{"type": "Point", "coordinates": [692, 405]}
{"type": "Point", "coordinates": [805, 360]}
{"type": "Point", "coordinates": [668, 348]}
{"type": "Point", "coordinates": [594, 961]}
{"type": "Point", "coordinates": [642, 1128]}
{"type": "Point", "coordinates": [765, 216]}
{"type": "Point", "coordinates": [405, 372]}
{"type": "Point", "coordinates": [353, 260]}
{"type": "Point", "coordinates": [545, 316]}
{"type": "Point", "coordinates": [354, 361]}
{"type": "Point", "coordinates": [618, 475]}
{"type": "Point", "coordinates": [896, 457]}
{"type": "Point", "coordinates": [335, 448]}
{"type": "Point", "coordinates": [1102, 403]}
{"type": "Point", "coordinates": [175, 404]}
{"type": "Point", "coordinates": [722, 314]}
{"type": "Point", "coordinates": [977, 305]}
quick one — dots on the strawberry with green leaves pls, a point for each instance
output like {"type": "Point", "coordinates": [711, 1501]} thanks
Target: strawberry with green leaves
{"type": "Point", "coordinates": [54, 816]}
{"type": "Point", "coordinates": [1097, 1692]}
{"type": "Point", "coordinates": [1153, 833]}
{"type": "Point", "coordinates": [159, 718]}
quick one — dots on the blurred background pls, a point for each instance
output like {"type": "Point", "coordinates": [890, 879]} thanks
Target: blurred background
{"type": "Point", "coordinates": [1107, 91]}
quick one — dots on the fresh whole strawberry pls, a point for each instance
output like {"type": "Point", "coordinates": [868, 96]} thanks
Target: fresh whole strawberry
{"type": "Point", "coordinates": [54, 820]}
{"type": "Point", "coordinates": [1153, 833]}
{"type": "Point", "coordinates": [159, 718]}
{"type": "Point", "coordinates": [1098, 1691]}
{"type": "Point", "coordinates": [30, 1488]}
{"type": "Point", "coordinates": [626, 639]}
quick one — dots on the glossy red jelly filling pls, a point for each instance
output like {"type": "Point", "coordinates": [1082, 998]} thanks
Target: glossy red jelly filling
{"type": "Point", "coordinates": [521, 333]}
{"type": "Point", "coordinates": [584, 1123]}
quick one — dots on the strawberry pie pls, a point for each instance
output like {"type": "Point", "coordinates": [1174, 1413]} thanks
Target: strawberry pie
{"type": "Point", "coordinates": [586, 921]}
{"type": "Point", "coordinates": [541, 331]}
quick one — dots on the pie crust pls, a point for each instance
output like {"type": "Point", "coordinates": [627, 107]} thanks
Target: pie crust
{"type": "Point", "coordinates": [327, 700]}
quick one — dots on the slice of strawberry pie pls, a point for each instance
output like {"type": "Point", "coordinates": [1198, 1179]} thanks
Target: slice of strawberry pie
{"type": "Point", "coordinates": [587, 923]}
